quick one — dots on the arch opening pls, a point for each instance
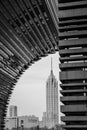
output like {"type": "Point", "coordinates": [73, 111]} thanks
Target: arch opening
{"type": "Point", "coordinates": [27, 90]}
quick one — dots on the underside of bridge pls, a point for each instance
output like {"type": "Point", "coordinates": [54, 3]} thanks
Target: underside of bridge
{"type": "Point", "coordinates": [32, 29]}
{"type": "Point", "coordinates": [28, 31]}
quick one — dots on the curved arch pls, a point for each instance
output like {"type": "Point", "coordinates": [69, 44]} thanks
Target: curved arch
{"type": "Point", "coordinates": [27, 32]}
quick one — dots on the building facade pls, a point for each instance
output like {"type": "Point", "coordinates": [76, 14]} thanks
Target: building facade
{"type": "Point", "coordinates": [13, 111]}
{"type": "Point", "coordinates": [72, 16]}
{"type": "Point", "coordinates": [10, 123]}
{"type": "Point", "coordinates": [28, 121]}
{"type": "Point", "coordinates": [25, 122]}
{"type": "Point", "coordinates": [52, 100]}
{"type": "Point", "coordinates": [16, 122]}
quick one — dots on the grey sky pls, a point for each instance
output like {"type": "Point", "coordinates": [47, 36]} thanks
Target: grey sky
{"type": "Point", "coordinates": [30, 92]}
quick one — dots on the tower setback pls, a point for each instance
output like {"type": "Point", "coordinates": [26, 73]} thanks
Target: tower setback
{"type": "Point", "coordinates": [52, 99]}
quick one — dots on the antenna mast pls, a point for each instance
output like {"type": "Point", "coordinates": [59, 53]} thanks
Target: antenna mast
{"type": "Point", "coordinates": [51, 63]}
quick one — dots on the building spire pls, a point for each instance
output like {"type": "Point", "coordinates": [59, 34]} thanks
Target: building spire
{"type": "Point", "coordinates": [51, 64]}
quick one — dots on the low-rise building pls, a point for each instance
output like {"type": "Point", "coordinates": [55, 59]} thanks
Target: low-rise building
{"type": "Point", "coordinates": [28, 121]}
{"type": "Point", "coordinates": [21, 122]}
{"type": "Point", "coordinates": [10, 123]}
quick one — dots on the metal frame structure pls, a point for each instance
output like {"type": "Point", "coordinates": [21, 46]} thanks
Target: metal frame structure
{"type": "Point", "coordinates": [27, 33]}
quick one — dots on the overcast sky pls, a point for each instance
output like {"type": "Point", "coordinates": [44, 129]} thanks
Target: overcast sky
{"type": "Point", "coordinates": [29, 94]}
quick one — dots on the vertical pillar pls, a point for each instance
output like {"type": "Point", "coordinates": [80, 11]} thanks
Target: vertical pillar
{"type": "Point", "coordinates": [72, 16]}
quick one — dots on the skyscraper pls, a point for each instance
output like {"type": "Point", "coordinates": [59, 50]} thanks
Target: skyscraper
{"type": "Point", "coordinates": [52, 99]}
{"type": "Point", "coordinates": [13, 111]}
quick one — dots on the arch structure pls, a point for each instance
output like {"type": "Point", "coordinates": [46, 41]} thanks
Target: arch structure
{"type": "Point", "coordinates": [28, 31]}
{"type": "Point", "coordinates": [31, 29]}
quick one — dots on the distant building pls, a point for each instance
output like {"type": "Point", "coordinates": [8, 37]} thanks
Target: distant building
{"type": "Point", "coordinates": [21, 122]}
{"type": "Point", "coordinates": [14, 121]}
{"type": "Point", "coordinates": [28, 121]}
{"type": "Point", "coordinates": [10, 123]}
{"type": "Point", "coordinates": [43, 123]}
{"type": "Point", "coordinates": [44, 119]}
{"type": "Point", "coordinates": [13, 111]}
{"type": "Point", "coordinates": [52, 100]}
{"type": "Point", "coordinates": [50, 117]}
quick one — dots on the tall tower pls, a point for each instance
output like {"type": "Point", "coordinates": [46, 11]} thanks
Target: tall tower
{"type": "Point", "coordinates": [13, 111]}
{"type": "Point", "coordinates": [52, 99]}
